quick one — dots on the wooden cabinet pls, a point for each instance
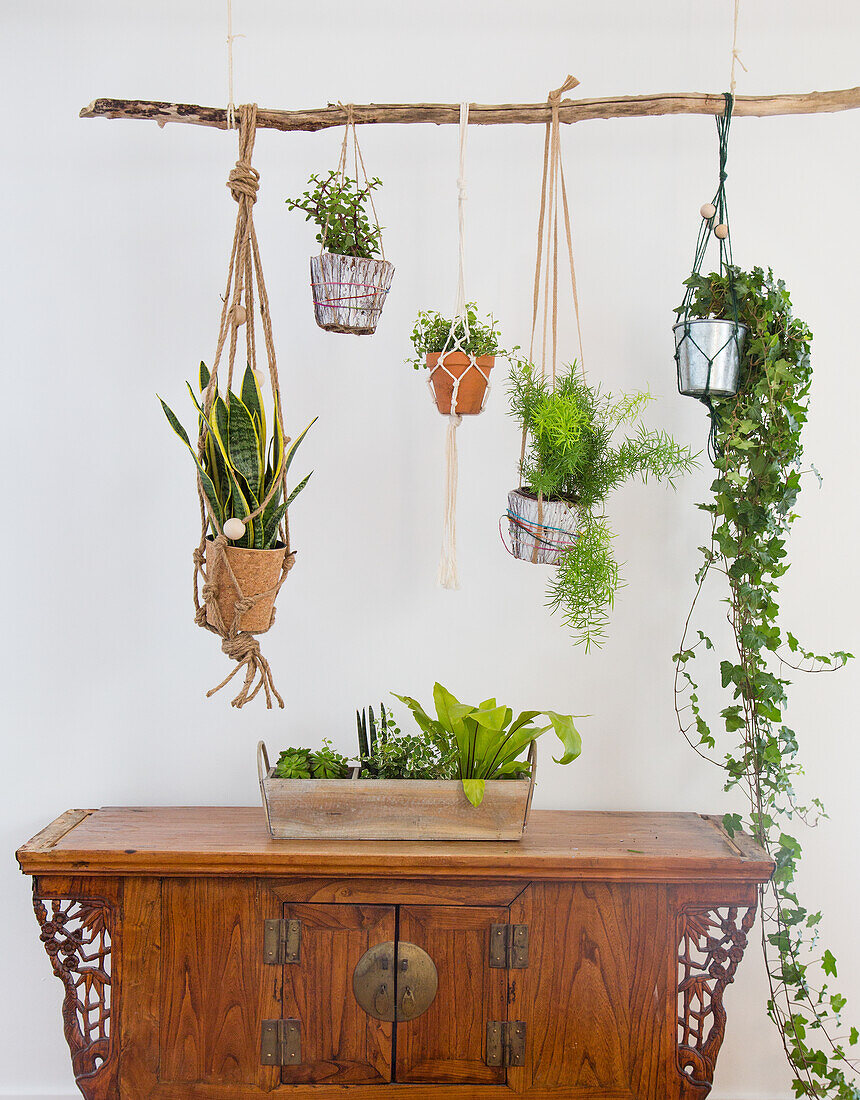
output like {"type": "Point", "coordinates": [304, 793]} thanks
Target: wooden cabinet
{"type": "Point", "coordinates": [201, 959]}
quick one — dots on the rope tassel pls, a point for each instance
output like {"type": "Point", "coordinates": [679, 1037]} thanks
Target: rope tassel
{"type": "Point", "coordinates": [447, 576]}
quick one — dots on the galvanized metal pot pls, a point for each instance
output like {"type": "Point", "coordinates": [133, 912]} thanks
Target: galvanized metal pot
{"type": "Point", "coordinates": [349, 292]}
{"type": "Point", "coordinates": [707, 341]}
{"type": "Point", "coordinates": [540, 533]}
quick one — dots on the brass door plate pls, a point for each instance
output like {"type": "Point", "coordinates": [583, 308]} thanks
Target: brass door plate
{"type": "Point", "coordinates": [395, 982]}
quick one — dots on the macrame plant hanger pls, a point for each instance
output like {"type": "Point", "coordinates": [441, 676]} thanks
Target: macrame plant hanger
{"type": "Point", "coordinates": [349, 292]}
{"type": "Point", "coordinates": [549, 541]}
{"type": "Point", "coordinates": [714, 223]}
{"type": "Point", "coordinates": [211, 565]}
{"type": "Point", "coordinates": [456, 341]}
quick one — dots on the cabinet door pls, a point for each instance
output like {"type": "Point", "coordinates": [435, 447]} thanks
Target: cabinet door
{"type": "Point", "coordinates": [447, 1044]}
{"type": "Point", "coordinates": [340, 1043]}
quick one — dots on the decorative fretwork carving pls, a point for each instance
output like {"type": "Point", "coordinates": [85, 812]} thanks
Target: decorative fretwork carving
{"type": "Point", "coordinates": [77, 936]}
{"type": "Point", "coordinates": [711, 943]}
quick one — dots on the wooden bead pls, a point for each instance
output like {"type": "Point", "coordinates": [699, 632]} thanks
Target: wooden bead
{"type": "Point", "coordinates": [707, 210]}
{"type": "Point", "coordinates": [234, 528]}
{"type": "Point", "coordinates": [260, 376]}
{"type": "Point", "coordinates": [721, 231]}
{"type": "Point", "coordinates": [240, 315]}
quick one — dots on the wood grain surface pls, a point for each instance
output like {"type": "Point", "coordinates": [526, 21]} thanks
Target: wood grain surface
{"type": "Point", "coordinates": [557, 844]}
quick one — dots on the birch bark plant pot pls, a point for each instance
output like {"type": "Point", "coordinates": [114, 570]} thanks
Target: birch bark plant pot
{"type": "Point", "coordinates": [473, 381]}
{"type": "Point", "coordinates": [349, 292]}
{"type": "Point", "coordinates": [540, 532]}
{"type": "Point", "coordinates": [393, 809]}
{"type": "Point", "coordinates": [256, 571]}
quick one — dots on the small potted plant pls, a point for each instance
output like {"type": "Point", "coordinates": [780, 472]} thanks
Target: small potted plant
{"type": "Point", "coordinates": [569, 467]}
{"type": "Point", "coordinates": [240, 467]}
{"type": "Point", "coordinates": [709, 338]}
{"type": "Point", "coordinates": [462, 350]}
{"type": "Point", "coordinates": [466, 774]}
{"type": "Point", "coordinates": [350, 278]}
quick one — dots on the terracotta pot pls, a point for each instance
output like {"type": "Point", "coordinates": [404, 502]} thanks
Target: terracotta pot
{"type": "Point", "coordinates": [473, 384]}
{"type": "Point", "coordinates": [256, 571]}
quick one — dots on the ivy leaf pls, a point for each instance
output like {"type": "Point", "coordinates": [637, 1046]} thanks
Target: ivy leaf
{"type": "Point", "coordinates": [828, 964]}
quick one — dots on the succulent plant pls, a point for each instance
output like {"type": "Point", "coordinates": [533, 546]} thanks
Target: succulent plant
{"type": "Point", "coordinates": [293, 764]}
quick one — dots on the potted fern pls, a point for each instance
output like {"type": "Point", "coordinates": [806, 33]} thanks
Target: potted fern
{"type": "Point", "coordinates": [350, 278]}
{"type": "Point", "coordinates": [241, 466]}
{"type": "Point", "coordinates": [569, 466]}
{"type": "Point", "coordinates": [462, 350]}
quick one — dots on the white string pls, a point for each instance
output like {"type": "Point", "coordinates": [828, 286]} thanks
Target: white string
{"type": "Point", "coordinates": [736, 56]}
{"type": "Point", "coordinates": [447, 575]}
{"type": "Point", "coordinates": [231, 106]}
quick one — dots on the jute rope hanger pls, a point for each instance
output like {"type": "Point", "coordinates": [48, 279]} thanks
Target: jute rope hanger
{"type": "Point", "coordinates": [210, 558]}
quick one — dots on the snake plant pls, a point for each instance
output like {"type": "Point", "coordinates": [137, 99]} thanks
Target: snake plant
{"type": "Point", "coordinates": [240, 463]}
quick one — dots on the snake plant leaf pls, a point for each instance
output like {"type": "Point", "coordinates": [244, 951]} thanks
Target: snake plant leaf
{"type": "Point", "coordinates": [204, 376]}
{"type": "Point", "coordinates": [252, 398]}
{"type": "Point", "coordinates": [474, 790]}
{"type": "Point", "coordinates": [205, 480]}
{"type": "Point", "coordinates": [298, 489]}
{"type": "Point", "coordinates": [243, 445]}
{"type": "Point", "coordinates": [291, 452]}
{"type": "Point", "coordinates": [270, 525]}
{"type": "Point", "coordinates": [568, 734]}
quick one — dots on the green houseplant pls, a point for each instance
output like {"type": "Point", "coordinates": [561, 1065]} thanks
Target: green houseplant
{"type": "Point", "coordinates": [350, 277]}
{"type": "Point", "coordinates": [241, 466]}
{"type": "Point", "coordinates": [570, 464]}
{"type": "Point", "coordinates": [461, 349]}
{"type": "Point", "coordinates": [758, 475]}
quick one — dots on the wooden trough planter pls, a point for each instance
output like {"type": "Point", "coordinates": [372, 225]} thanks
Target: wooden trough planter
{"type": "Point", "coordinates": [392, 809]}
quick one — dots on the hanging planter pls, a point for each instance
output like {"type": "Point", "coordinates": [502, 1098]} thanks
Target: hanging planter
{"type": "Point", "coordinates": [708, 353]}
{"type": "Point", "coordinates": [350, 278]}
{"type": "Point", "coordinates": [244, 554]}
{"type": "Point", "coordinates": [540, 530]}
{"type": "Point", "coordinates": [709, 338]}
{"type": "Point", "coordinates": [459, 354]}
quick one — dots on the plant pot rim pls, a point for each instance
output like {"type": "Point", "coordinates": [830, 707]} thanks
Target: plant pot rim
{"type": "Point", "coordinates": [347, 256]}
{"type": "Point", "coordinates": [484, 360]}
{"type": "Point", "coordinates": [524, 492]}
{"type": "Point", "coordinates": [250, 549]}
{"type": "Point", "coordinates": [709, 320]}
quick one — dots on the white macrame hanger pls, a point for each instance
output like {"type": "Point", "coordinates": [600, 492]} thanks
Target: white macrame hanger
{"type": "Point", "coordinates": [447, 576]}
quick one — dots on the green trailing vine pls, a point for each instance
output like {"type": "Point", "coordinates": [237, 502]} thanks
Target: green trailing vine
{"type": "Point", "coordinates": [757, 482]}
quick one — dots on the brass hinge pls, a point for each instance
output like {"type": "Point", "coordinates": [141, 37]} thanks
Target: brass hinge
{"type": "Point", "coordinates": [282, 941]}
{"type": "Point", "coordinates": [506, 1043]}
{"type": "Point", "coordinates": [281, 1043]}
{"type": "Point", "coordinates": [509, 946]}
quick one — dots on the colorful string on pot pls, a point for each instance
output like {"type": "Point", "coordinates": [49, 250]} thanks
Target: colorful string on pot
{"type": "Point", "coordinates": [212, 567]}
{"type": "Point", "coordinates": [457, 341]}
{"type": "Point", "coordinates": [714, 225]}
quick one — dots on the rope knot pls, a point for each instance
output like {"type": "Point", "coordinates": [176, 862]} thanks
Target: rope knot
{"type": "Point", "coordinates": [241, 647]}
{"type": "Point", "coordinates": [244, 180]}
{"type": "Point", "coordinates": [209, 593]}
{"type": "Point", "coordinates": [198, 557]}
{"type": "Point", "coordinates": [246, 603]}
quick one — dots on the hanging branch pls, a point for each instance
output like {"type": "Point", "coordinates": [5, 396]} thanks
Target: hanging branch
{"type": "Point", "coordinates": [493, 114]}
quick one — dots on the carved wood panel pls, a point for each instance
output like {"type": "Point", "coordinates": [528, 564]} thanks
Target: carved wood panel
{"type": "Point", "coordinates": [77, 936]}
{"type": "Point", "coordinates": [711, 944]}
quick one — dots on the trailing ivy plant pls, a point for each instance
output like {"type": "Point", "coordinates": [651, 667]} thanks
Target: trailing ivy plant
{"type": "Point", "coordinates": [569, 454]}
{"type": "Point", "coordinates": [339, 209]}
{"type": "Point", "coordinates": [754, 492]}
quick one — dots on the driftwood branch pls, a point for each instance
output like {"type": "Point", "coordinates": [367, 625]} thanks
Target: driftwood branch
{"type": "Point", "coordinates": [482, 114]}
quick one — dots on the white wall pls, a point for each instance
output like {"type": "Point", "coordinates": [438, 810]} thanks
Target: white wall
{"type": "Point", "coordinates": [115, 239]}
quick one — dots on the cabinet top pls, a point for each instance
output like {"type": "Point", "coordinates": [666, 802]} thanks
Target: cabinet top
{"type": "Point", "coordinates": [233, 840]}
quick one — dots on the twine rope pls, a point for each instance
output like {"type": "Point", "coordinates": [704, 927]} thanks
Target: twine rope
{"type": "Point", "coordinates": [553, 190]}
{"type": "Point", "coordinates": [231, 106]}
{"type": "Point", "coordinates": [358, 160]}
{"type": "Point", "coordinates": [212, 568]}
{"type": "Point", "coordinates": [736, 56]}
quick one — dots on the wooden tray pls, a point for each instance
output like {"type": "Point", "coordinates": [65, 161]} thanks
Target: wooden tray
{"type": "Point", "coordinates": [393, 809]}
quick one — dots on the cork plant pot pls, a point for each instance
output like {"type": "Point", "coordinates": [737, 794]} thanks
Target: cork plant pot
{"type": "Point", "coordinates": [256, 571]}
{"type": "Point", "coordinates": [473, 385]}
